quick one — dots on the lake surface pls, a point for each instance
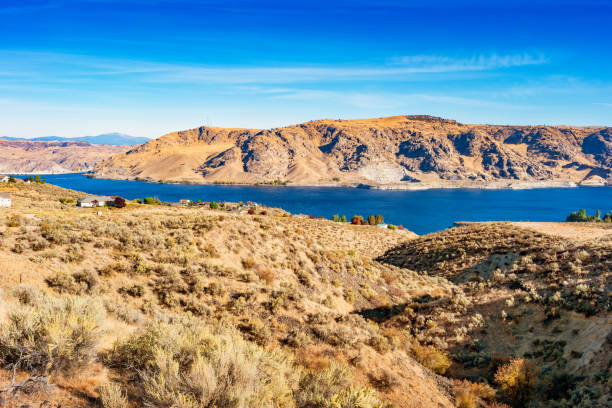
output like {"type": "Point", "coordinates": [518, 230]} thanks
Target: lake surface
{"type": "Point", "coordinates": [420, 211]}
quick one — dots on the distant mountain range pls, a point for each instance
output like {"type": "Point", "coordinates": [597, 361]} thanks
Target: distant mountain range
{"type": "Point", "coordinates": [116, 139]}
{"type": "Point", "coordinates": [393, 152]}
{"type": "Point", "coordinates": [52, 157]}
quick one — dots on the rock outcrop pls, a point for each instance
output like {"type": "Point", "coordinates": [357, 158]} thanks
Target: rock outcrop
{"type": "Point", "coordinates": [402, 151]}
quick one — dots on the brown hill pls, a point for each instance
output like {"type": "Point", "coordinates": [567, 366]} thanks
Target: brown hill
{"type": "Point", "coordinates": [399, 151]}
{"type": "Point", "coordinates": [23, 156]}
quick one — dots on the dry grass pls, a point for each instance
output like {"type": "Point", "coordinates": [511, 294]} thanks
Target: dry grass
{"type": "Point", "coordinates": [305, 297]}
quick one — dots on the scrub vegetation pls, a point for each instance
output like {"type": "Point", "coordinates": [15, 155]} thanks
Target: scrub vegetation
{"type": "Point", "coordinates": [170, 306]}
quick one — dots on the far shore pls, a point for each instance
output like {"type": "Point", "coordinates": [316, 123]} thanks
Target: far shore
{"type": "Point", "coordinates": [449, 184]}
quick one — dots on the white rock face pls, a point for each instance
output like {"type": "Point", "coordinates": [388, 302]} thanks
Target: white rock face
{"type": "Point", "coordinates": [383, 173]}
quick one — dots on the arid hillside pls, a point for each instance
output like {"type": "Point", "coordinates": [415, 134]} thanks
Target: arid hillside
{"type": "Point", "coordinates": [393, 152]}
{"type": "Point", "coordinates": [168, 306]}
{"type": "Point", "coordinates": [22, 156]}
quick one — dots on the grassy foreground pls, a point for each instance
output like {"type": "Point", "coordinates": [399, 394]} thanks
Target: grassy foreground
{"type": "Point", "coordinates": [189, 307]}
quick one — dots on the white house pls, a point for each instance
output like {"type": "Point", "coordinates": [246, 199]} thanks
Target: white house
{"type": "Point", "coordinates": [5, 200]}
{"type": "Point", "coordinates": [95, 201]}
{"type": "Point", "coordinates": [3, 178]}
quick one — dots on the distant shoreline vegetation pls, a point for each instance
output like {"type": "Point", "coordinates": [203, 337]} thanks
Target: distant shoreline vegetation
{"type": "Point", "coordinates": [581, 216]}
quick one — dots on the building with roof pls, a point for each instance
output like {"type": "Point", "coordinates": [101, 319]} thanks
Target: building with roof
{"type": "Point", "coordinates": [95, 201]}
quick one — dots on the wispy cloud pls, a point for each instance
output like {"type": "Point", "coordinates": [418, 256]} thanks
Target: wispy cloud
{"type": "Point", "coordinates": [474, 63]}
{"type": "Point", "coordinates": [385, 100]}
{"type": "Point", "coordinates": [70, 67]}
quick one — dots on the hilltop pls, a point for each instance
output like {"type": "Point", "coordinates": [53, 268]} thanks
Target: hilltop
{"type": "Point", "coordinates": [392, 152]}
{"type": "Point", "coordinates": [25, 156]}
{"type": "Point", "coordinates": [153, 304]}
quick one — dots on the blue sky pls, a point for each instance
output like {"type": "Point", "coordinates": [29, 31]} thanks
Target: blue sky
{"type": "Point", "coordinates": [73, 68]}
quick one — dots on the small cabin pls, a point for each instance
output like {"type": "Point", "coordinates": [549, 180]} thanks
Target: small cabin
{"type": "Point", "coordinates": [95, 201]}
{"type": "Point", "coordinates": [184, 202]}
{"type": "Point", "coordinates": [5, 200]}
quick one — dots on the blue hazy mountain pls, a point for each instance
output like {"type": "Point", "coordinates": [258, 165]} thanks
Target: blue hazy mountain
{"type": "Point", "coordinates": [106, 138]}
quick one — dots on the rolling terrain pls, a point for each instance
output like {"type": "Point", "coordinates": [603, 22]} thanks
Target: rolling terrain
{"type": "Point", "coordinates": [392, 152]}
{"type": "Point", "coordinates": [156, 306]}
{"type": "Point", "coordinates": [44, 157]}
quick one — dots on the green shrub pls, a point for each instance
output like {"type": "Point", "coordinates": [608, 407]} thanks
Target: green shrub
{"type": "Point", "coordinates": [391, 227]}
{"type": "Point", "coordinates": [51, 335]}
{"type": "Point", "coordinates": [214, 205]}
{"type": "Point", "coordinates": [336, 218]}
{"type": "Point", "coordinates": [581, 216]}
{"type": "Point", "coordinates": [149, 200]}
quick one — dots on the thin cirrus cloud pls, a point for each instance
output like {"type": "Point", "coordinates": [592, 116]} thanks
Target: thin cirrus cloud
{"type": "Point", "coordinates": [387, 100]}
{"type": "Point", "coordinates": [29, 66]}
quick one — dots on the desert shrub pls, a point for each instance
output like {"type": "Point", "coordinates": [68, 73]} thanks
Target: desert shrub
{"type": "Point", "coordinates": [517, 380]}
{"type": "Point", "coordinates": [336, 218]}
{"type": "Point", "coordinates": [54, 232]}
{"type": "Point", "coordinates": [248, 263]}
{"type": "Point", "coordinates": [472, 395]}
{"type": "Point", "coordinates": [74, 253]}
{"type": "Point", "coordinates": [391, 227]}
{"type": "Point", "coordinates": [149, 200]}
{"type": "Point", "coordinates": [188, 365]}
{"type": "Point", "coordinates": [134, 290]}
{"type": "Point", "coordinates": [18, 248]}
{"type": "Point", "coordinates": [380, 343]}
{"type": "Point", "coordinates": [26, 295]}
{"type": "Point", "coordinates": [256, 330]}
{"type": "Point", "coordinates": [13, 221]}
{"type": "Point", "coordinates": [214, 205]}
{"type": "Point", "coordinates": [76, 283]}
{"type": "Point", "coordinates": [329, 388]}
{"type": "Point", "coordinates": [111, 396]}
{"type": "Point", "coordinates": [51, 335]}
{"type": "Point", "coordinates": [434, 359]}
{"type": "Point", "coordinates": [39, 243]}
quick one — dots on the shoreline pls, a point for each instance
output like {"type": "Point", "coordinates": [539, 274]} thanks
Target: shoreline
{"type": "Point", "coordinates": [493, 185]}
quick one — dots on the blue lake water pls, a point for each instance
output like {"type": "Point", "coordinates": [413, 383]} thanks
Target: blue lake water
{"type": "Point", "coordinates": [420, 211]}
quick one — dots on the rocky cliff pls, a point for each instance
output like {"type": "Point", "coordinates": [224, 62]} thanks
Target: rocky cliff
{"type": "Point", "coordinates": [392, 152]}
{"type": "Point", "coordinates": [22, 156]}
